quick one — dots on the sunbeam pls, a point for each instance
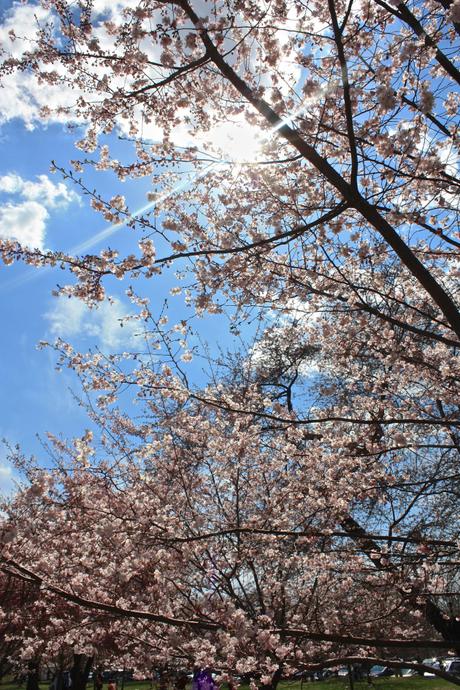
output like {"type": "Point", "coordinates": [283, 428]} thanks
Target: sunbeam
{"type": "Point", "coordinates": [240, 145]}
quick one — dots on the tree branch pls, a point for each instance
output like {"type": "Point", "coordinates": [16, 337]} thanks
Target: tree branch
{"type": "Point", "coordinates": [348, 192]}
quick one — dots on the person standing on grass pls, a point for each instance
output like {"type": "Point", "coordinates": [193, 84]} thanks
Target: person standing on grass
{"type": "Point", "coordinates": [203, 680]}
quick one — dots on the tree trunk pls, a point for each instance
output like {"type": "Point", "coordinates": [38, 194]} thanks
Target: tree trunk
{"type": "Point", "coordinates": [80, 671]}
{"type": "Point", "coordinates": [32, 676]}
{"type": "Point", "coordinates": [350, 677]}
{"type": "Point", "coordinates": [448, 626]}
{"type": "Point", "coordinates": [59, 680]}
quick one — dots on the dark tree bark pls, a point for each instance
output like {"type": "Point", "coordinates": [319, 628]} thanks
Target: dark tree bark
{"type": "Point", "coordinates": [33, 676]}
{"type": "Point", "coordinates": [80, 671]}
{"type": "Point", "coordinates": [448, 626]}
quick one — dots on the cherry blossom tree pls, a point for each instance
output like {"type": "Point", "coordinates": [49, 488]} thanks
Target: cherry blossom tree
{"type": "Point", "coordinates": [33, 634]}
{"type": "Point", "coordinates": [371, 99]}
{"type": "Point", "coordinates": [285, 514]}
{"type": "Point", "coordinates": [223, 540]}
{"type": "Point", "coordinates": [12, 594]}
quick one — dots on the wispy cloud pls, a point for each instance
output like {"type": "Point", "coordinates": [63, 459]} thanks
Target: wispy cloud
{"type": "Point", "coordinates": [7, 478]}
{"type": "Point", "coordinates": [105, 324]}
{"type": "Point", "coordinates": [42, 190]}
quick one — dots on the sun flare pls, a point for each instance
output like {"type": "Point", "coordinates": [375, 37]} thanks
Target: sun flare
{"type": "Point", "coordinates": [236, 142]}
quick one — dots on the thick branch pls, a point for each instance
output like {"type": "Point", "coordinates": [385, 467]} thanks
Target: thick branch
{"type": "Point", "coordinates": [404, 13]}
{"type": "Point", "coordinates": [13, 568]}
{"type": "Point", "coordinates": [310, 533]}
{"type": "Point", "coordinates": [190, 67]}
{"type": "Point", "coordinates": [449, 627]}
{"type": "Point", "coordinates": [346, 93]}
{"type": "Point", "coordinates": [348, 192]}
{"type": "Point", "coordinates": [423, 421]}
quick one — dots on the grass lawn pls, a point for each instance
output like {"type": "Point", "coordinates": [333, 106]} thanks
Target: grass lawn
{"type": "Point", "coordinates": [412, 683]}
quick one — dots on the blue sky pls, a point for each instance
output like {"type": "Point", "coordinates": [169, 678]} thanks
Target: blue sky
{"type": "Point", "coordinates": [37, 208]}
{"type": "Point", "coordinates": [34, 397]}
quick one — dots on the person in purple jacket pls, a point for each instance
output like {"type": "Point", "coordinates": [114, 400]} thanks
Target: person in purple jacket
{"type": "Point", "coordinates": [202, 680]}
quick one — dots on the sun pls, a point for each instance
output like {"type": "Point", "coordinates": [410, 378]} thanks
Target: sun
{"type": "Point", "coordinates": [236, 142]}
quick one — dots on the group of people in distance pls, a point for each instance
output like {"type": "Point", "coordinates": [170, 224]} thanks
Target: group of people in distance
{"type": "Point", "coordinates": [99, 682]}
{"type": "Point", "coordinates": [202, 680]}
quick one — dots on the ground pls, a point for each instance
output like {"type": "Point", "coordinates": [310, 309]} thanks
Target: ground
{"type": "Point", "coordinates": [413, 683]}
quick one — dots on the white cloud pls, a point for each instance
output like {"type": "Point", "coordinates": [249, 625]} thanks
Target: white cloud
{"type": "Point", "coordinates": [22, 96]}
{"type": "Point", "coordinates": [25, 223]}
{"type": "Point", "coordinates": [113, 7]}
{"type": "Point", "coordinates": [7, 479]}
{"type": "Point", "coordinates": [71, 317]}
{"type": "Point", "coordinates": [48, 193]}
{"type": "Point", "coordinates": [450, 157]}
{"type": "Point", "coordinates": [23, 20]}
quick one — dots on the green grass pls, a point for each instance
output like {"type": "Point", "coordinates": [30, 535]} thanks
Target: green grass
{"type": "Point", "coordinates": [412, 683]}
{"type": "Point", "coordinates": [129, 685]}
